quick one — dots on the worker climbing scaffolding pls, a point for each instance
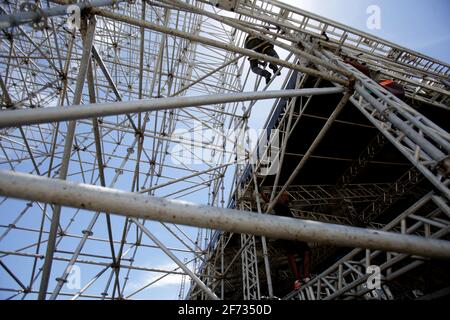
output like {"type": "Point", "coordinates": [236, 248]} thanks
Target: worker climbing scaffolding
{"type": "Point", "coordinates": [355, 174]}
{"type": "Point", "coordinates": [389, 84]}
{"type": "Point", "coordinates": [260, 45]}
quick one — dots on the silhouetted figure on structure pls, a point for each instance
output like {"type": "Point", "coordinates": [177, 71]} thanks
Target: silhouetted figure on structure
{"type": "Point", "coordinates": [260, 45]}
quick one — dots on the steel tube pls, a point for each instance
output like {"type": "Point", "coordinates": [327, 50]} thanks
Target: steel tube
{"type": "Point", "coordinates": [174, 258]}
{"type": "Point", "coordinates": [28, 117]}
{"type": "Point", "coordinates": [341, 105]}
{"type": "Point", "coordinates": [88, 32]}
{"type": "Point", "coordinates": [237, 24]}
{"type": "Point", "coordinates": [217, 44]}
{"type": "Point", "coordinates": [424, 170]}
{"type": "Point", "coordinates": [22, 17]}
{"type": "Point", "coordinates": [36, 188]}
{"type": "Point", "coordinates": [335, 24]}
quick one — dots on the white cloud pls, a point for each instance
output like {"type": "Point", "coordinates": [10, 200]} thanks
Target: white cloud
{"type": "Point", "coordinates": [141, 279]}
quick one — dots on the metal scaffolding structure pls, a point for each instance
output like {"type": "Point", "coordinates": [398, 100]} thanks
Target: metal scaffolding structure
{"type": "Point", "coordinates": [107, 125]}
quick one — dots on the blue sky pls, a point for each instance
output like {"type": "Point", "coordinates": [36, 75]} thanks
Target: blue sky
{"type": "Point", "coordinates": [419, 25]}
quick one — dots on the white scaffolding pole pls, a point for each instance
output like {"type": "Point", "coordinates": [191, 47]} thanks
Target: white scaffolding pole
{"type": "Point", "coordinates": [30, 187]}
{"type": "Point", "coordinates": [26, 117]}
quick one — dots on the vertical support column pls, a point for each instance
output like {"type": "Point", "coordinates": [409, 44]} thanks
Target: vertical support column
{"type": "Point", "coordinates": [263, 241]}
{"type": "Point", "coordinates": [249, 257]}
{"type": "Point", "coordinates": [250, 275]}
{"type": "Point", "coordinates": [222, 268]}
{"type": "Point", "coordinates": [87, 32]}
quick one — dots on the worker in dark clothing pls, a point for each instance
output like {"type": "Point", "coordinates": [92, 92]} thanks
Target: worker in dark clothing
{"type": "Point", "coordinates": [260, 45]}
{"type": "Point", "coordinates": [281, 208]}
{"type": "Point", "coordinates": [362, 67]}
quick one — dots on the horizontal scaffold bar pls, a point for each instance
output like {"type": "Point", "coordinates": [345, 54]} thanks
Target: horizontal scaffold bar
{"type": "Point", "coordinates": [21, 17]}
{"type": "Point", "coordinates": [90, 197]}
{"type": "Point", "coordinates": [12, 118]}
{"type": "Point", "coordinates": [228, 47]}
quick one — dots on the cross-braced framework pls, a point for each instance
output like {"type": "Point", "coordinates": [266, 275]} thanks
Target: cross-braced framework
{"type": "Point", "coordinates": [106, 124]}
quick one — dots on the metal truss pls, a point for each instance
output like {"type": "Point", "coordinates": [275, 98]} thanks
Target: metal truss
{"type": "Point", "coordinates": [421, 141]}
{"type": "Point", "coordinates": [374, 148]}
{"type": "Point", "coordinates": [249, 258]}
{"type": "Point", "coordinates": [104, 127]}
{"type": "Point", "coordinates": [321, 195]}
{"type": "Point", "coordinates": [349, 277]}
{"type": "Point", "coordinates": [396, 191]}
{"type": "Point", "coordinates": [411, 178]}
{"type": "Point", "coordinates": [250, 277]}
{"type": "Point", "coordinates": [427, 77]}
{"type": "Point", "coordinates": [183, 284]}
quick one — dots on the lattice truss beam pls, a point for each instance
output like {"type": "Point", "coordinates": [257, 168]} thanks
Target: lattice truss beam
{"type": "Point", "coordinates": [347, 278]}
{"type": "Point", "coordinates": [158, 50]}
{"type": "Point", "coordinates": [408, 68]}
